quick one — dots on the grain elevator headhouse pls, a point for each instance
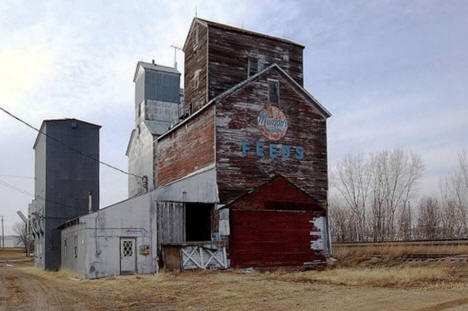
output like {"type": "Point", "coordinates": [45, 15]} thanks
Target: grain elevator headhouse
{"type": "Point", "coordinates": [249, 161]}
{"type": "Point", "coordinates": [231, 171]}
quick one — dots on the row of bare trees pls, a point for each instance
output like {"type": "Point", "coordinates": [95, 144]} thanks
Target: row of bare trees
{"type": "Point", "coordinates": [374, 198]}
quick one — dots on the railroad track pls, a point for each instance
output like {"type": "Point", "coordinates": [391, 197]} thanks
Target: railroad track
{"type": "Point", "coordinates": [435, 257]}
{"type": "Point", "coordinates": [403, 243]}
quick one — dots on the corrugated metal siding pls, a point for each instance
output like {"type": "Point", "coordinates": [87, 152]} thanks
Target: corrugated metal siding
{"type": "Point", "coordinates": [162, 86]}
{"type": "Point", "coordinates": [139, 89]}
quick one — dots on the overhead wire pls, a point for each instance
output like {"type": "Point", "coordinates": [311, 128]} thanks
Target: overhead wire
{"type": "Point", "coordinates": [29, 194]}
{"type": "Point", "coordinates": [70, 147]}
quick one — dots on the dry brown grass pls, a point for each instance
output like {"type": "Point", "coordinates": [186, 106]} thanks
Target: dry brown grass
{"type": "Point", "coordinates": [359, 251]}
{"type": "Point", "coordinates": [11, 253]}
{"type": "Point", "coordinates": [234, 290]}
{"type": "Point", "coordinates": [428, 276]}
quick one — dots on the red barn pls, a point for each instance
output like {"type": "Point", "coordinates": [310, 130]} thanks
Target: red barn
{"type": "Point", "coordinates": [249, 161]}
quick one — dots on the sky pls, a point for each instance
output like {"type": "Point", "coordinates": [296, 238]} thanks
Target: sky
{"type": "Point", "coordinates": [392, 73]}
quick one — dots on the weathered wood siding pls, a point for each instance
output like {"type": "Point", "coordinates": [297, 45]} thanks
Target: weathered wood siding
{"type": "Point", "coordinates": [278, 194]}
{"type": "Point", "coordinates": [186, 149]}
{"type": "Point", "coordinates": [272, 227]}
{"type": "Point", "coordinates": [236, 121]}
{"type": "Point", "coordinates": [272, 238]}
{"type": "Point", "coordinates": [170, 222]}
{"type": "Point", "coordinates": [195, 64]}
{"type": "Point", "coordinates": [228, 53]}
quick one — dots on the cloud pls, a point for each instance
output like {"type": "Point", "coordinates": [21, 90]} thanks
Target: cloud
{"type": "Point", "coordinates": [390, 72]}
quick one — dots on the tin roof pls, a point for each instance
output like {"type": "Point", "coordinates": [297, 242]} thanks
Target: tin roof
{"type": "Point", "coordinates": [157, 127]}
{"type": "Point", "coordinates": [156, 67]}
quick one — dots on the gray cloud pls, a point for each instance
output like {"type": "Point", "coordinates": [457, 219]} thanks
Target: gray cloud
{"type": "Point", "coordinates": [393, 73]}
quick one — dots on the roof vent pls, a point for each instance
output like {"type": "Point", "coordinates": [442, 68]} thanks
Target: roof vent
{"type": "Point", "coordinates": [152, 61]}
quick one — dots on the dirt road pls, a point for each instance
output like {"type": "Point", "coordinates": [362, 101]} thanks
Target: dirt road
{"type": "Point", "coordinates": [19, 291]}
{"type": "Point", "coordinates": [23, 287]}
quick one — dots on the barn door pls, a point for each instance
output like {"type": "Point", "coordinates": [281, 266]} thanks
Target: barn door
{"type": "Point", "coordinates": [127, 256]}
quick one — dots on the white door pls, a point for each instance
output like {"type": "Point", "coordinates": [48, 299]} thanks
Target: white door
{"type": "Point", "coordinates": [127, 255]}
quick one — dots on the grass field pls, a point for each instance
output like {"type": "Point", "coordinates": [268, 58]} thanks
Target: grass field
{"type": "Point", "coordinates": [390, 285]}
{"type": "Point", "coordinates": [12, 253]}
{"type": "Point", "coordinates": [404, 287]}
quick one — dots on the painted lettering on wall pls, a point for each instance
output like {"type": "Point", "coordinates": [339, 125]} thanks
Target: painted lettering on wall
{"type": "Point", "coordinates": [272, 123]}
{"type": "Point", "coordinates": [273, 151]}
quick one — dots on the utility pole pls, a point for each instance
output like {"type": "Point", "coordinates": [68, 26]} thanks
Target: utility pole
{"type": "Point", "coordinates": [3, 233]}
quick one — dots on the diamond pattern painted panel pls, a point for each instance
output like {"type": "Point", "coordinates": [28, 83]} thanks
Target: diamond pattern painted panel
{"type": "Point", "coordinates": [127, 248]}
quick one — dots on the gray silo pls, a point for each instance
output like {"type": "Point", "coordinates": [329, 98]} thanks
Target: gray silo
{"type": "Point", "coordinates": [66, 173]}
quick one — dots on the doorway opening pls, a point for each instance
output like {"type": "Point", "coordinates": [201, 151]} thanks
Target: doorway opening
{"type": "Point", "coordinates": [198, 221]}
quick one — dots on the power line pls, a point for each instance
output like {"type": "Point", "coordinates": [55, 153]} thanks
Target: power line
{"type": "Point", "coordinates": [16, 176]}
{"type": "Point", "coordinates": [29, 194]}
{"type": "Point", "coordinates": [64, 144]}
{"type": "Point", "coordinates": [4, 183]}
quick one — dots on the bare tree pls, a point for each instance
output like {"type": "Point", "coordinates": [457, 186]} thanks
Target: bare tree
{"type": "Point", "coordinates": [406, 222]}
{"type": "Point", "coordinates": [340, 219]}
{"type": "Point", "coordinates": [454, 196]}
{"type": "Point", "coordinates": [429, 219]}
{"type": "Point", "coordinates": [21, 230]}
{"type": "Point", "coordinates": [351, 179]}
{"type": "Point", "coordinates": [376, 194]}
{"type": "Point", "coordinates": [394, 176]}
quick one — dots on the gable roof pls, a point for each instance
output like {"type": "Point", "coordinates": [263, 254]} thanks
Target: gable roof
{"type": "Point", "coordinates": [322, 110]}
{"type": "Point", "coordinates": [156, 67]}
{"type": "Point", "coordinates": [208, 23]}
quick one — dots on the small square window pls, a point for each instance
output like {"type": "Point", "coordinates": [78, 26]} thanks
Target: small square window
{"type": "Point", "coordinates": [273, 91]}
{"type": "Point", "coordinates": [253, 66]}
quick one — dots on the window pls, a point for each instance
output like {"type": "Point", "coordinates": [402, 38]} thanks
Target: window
{"type": "Point", "coordinates": [273, 91]}
{"type": "Point", "coordinates": [253, 66]}
{"type": "Point", "coordinates": [195, 37]}
{"type": "Point", "coordinates": [196, 80]}
{"type": "Point", "coordinates": [65, 247]}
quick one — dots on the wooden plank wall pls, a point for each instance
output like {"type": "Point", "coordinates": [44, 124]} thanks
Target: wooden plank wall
{"type": "Point", "coordinates": [236, 121]}
{"type": "Point", "coordinates": [272, 227]}
{"type": "Point", "coordinates": [188, 148]}
{"type": "Point", "coordinates": [195, 62]}
{"type": "Point", "coordinates": [267, 238]}
{"type": "Point", "coordinates": [170, 222]}
{"type": "Point", "coordinates": [228, 53]}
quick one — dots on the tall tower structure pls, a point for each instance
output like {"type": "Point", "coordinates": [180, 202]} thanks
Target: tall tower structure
{"type": "Point", "coordinates": [66, 183]}
{"type": "Point", "coordinates": [157, 102]}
